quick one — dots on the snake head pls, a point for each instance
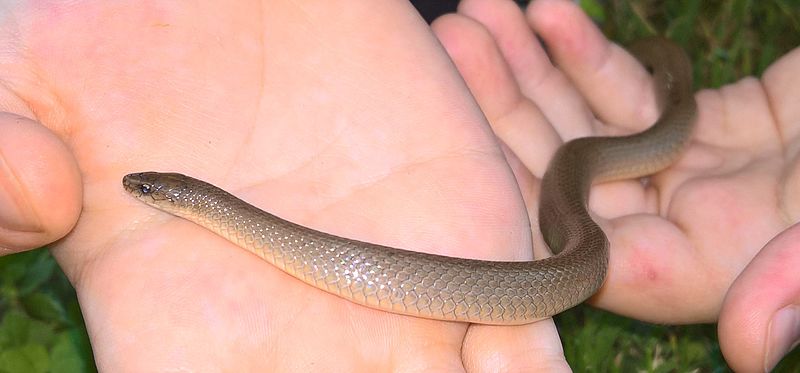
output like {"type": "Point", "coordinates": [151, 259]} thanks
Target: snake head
{"type": "Point", "coordinates": [166, 191]}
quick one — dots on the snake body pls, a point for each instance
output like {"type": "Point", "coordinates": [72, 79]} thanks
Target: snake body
{"type": "Point", "coordinates": [448, 288]}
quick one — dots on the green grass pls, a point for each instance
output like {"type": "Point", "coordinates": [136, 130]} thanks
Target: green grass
{"type": "Point", "coordinates": [596, 340]}
{"type": "Point", "coordinates": [727, 40]}
{"type": "Point", "coordinates": [42, 330]}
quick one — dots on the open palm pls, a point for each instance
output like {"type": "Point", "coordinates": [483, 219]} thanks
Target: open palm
{"type": "Point", "coordinates": [370, 135]}
{"type": "Point", "coordinates": [712, 238]}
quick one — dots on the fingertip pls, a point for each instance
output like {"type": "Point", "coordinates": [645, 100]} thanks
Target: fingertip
{"type": "Point", "coordinates": [477, 58]}
{"type": "Point", "coordinates": [532, 347]}
{"type": "Point", "coordinates": [505, 21]}
{"type": "Point", "coordinates": [594, 64]}
{"type": "Point", "coordinates": [760, 318]}
{"type": "Point", "coordinates": [564, 26]}
{"type": "Point", "coordinates": [518, 45]}
{"type": "Point", "coordinates": [449, 29]}
{"type": "Point", "coordinates": [513, 118]}
{"type": "Point", "coordinates": [573, 41]}
{"type": "Point", "coordinates": [40, 187]}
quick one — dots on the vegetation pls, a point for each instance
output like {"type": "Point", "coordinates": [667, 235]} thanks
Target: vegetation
{"type": "Point", "coordinates": [41, 329]}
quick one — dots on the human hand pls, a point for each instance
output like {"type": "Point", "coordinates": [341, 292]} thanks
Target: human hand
{"type": "Point", "coordinates": [346, 117]}
{"type": "Point", "coordinates": [710, 238]}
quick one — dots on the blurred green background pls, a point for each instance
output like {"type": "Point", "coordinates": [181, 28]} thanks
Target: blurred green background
{"type": "Point", "coordinates": [41, 329]}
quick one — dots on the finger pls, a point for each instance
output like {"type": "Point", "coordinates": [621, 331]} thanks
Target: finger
{"type": "Point", "coordinates": [780, 83]}
{"type": "Point", "coordinates": [514, 119]}
{"type": "Point", "coordinates": [533, 347]}
{"type": "Point", "coordinates": [545, 85]}
{"type": "Point", "coordinates": [618, 90]}
{"type": "Point", "coordinates": [760, 318]}
{"type": "Point", "coordinates": [526, 348]}
{"type": "Point", "coordinates": [40, 187]}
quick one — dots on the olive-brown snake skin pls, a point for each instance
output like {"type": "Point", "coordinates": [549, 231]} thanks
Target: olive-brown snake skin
{"type": "Point", "coordinates": [447, 288]}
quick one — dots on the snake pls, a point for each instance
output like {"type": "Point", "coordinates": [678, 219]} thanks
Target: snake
{"type": "Point", "coordinates": [457, 289]}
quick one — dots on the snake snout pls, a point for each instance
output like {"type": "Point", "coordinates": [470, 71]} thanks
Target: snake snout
{"type": "Point", "coordinates": [156, 188]}
{"type": "Point", "coordinates": [141, 183]}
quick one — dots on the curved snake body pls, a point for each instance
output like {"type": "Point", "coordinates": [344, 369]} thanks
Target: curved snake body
{"type": "Point", "coordinates": [448, 288]}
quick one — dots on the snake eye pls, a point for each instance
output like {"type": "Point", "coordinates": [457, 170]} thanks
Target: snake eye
{"type": "Point", "coordinates": [146, 188]}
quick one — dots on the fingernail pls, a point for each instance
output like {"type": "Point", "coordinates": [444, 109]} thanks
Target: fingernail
{"type": "Point", "coordinates": [15, 212]}
{"type": "Point", "coordinates": [784, 335]}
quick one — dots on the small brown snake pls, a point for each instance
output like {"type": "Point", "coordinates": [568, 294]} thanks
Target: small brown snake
{"type": "Point", "coordinates": [447, 288]}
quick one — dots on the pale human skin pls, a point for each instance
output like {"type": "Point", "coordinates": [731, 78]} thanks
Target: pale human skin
{"type": "Point", "coordinates": [349, 118]}
{"type": "Point", "coordinates": [724, 244]}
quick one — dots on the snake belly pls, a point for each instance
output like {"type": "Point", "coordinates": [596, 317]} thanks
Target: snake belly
{"type": "Point", "coordinates": [449, 288]}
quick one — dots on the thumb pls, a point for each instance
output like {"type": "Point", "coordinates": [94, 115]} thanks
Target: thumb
{"type": "Point", "coordinates": [760, 318]}
{"type": "Point", "coordinates": [40, 185]}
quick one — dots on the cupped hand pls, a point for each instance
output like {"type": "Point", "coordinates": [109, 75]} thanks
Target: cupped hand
{"type": "Point", "coordinates": [345, 117]}
{"type": "Point", "coordinates": [713, 237]}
